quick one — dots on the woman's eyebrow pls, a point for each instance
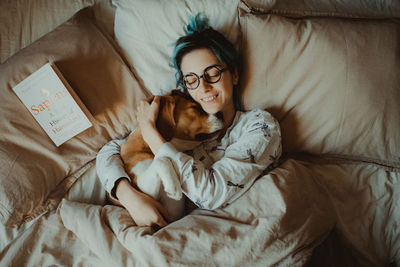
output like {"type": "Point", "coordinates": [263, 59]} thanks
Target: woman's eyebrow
{"type": "Point", "coordinates": [212, 65]}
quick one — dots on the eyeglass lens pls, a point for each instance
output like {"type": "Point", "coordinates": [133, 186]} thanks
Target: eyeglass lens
{"type": "Point", "coordinates": [212, 74]}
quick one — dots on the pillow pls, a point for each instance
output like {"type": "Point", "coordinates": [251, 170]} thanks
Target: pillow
{"type": "Point", "coordinates": [347, 8]}
{"type": "Point", "coordinates": [365, 199]}
{"type": "Point", "coordinates": [27, 21]}
{"type": "Point", "coordinates": [148, 30]}
{"type": "Point", "coordinates": [34, 173]}
{"type": "Point", "coordinates": [332, 83]}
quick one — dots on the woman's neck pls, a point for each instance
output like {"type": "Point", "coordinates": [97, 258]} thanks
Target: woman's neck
{"type": "Point", "coordinates": [227, 115]}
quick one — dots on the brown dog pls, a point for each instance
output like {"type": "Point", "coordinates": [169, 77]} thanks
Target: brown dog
{"type": "Point", "coordinates": [179, 117]}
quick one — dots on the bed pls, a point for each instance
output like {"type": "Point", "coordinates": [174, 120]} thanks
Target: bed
{"type": "Point", "coordinates": [329, 71]}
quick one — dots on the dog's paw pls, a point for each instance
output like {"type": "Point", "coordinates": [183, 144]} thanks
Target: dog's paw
{"type": "Point", "coordinates": [169, 178]}
{"type": "Point", "coordinates": [176, 193]}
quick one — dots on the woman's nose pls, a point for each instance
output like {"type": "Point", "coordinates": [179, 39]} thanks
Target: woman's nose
{"type": "Point", "coordinates": [204, 85]}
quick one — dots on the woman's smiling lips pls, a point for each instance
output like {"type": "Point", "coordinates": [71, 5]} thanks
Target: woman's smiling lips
{"type": "Point", "coordinates": [209, 99]}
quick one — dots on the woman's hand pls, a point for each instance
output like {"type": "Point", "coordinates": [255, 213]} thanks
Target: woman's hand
{"type": "Point", "coordinates": [144, 210]}
{"type": "Point", "coordinates": [146, 115]}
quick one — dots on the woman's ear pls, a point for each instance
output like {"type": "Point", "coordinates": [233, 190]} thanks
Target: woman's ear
{"type": "Point", "coordinates": [235, 76]}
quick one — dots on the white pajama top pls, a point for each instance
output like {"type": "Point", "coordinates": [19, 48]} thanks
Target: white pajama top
{"type": "Point", "coordinates": [214, 173]}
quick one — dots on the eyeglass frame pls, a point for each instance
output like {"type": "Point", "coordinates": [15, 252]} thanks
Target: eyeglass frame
{"type": "Point", "coordinates": [203, 76]}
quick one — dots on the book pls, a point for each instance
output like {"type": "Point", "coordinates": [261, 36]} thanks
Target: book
{"type": "Point", "coordinates": [54, 105]}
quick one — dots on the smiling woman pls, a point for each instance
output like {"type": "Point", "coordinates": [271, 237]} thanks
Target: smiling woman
{"type": "Point", "coordinates": [214, 96]}
{"type": "Point", "coordinates": [220, 169]}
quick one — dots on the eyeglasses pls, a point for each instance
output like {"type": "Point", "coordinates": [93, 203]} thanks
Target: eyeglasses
{"type": "Point", "coordinates": [211, 74]}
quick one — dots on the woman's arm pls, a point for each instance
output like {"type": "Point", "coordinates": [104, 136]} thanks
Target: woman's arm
{"type": "Point", "coordinates": [144, 210]}
{"type": "Point", "coordinates": [257, 145]}
{"type": "Point", "coordinates": [146, 115]}
{"type": "Point", "coordinates": [109, 165]}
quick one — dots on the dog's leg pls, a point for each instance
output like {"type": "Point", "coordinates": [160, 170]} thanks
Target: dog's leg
{"type": "Point", "coordinates": [169, 178]}
{"type": "Point", "coordinates": [159, 171]}
{"type": "Point", "coordinates": [147, 178]}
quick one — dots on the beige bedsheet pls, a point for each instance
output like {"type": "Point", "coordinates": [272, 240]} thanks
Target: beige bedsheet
{"type": "Point", "coordinates": [25, 21]}
{"type": "Point", "coordinates": [279, 221]}
{"type": "Point", "coordinates": [282, 218]}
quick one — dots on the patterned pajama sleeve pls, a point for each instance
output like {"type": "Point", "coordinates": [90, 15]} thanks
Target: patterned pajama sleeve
{"type": "Point", "coordinates": [109, 164]}
{"type": "Point", "coordinates": [256, 147]}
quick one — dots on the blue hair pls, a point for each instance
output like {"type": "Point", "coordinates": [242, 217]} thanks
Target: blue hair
{"type": "Point", "coordinates": [200, 35]}
{"type": "Point", "coordinates": [197, 23]}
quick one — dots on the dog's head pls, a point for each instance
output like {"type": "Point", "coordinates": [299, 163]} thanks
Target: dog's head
{"type": "Point", "coordinates": [182, 118]}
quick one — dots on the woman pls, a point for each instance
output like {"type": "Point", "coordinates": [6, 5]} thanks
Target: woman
{"type": "Point", "coordinates": [218, 171]}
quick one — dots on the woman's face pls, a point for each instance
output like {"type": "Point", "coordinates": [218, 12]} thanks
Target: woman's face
{"type": "Point", "coordinates": [213, 97]}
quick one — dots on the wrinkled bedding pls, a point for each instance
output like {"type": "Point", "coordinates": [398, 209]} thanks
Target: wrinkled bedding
{"type": "Point", "coordinates": [336, 99]}
{"type": "Point", "coordinates": [270, 233]}
{"type": "Point", "coordinates": [264, 227]}
{"type": "Point", "coordinates": [279, 221]}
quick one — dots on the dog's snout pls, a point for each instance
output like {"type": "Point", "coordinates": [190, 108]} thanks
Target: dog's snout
{"type": "Point", "coordinates": [216, 124]}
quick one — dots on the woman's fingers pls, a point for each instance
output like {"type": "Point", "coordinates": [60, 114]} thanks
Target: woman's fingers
{"type": "Point", "coordinates": [149, 99]}
{"type": "Point", "coordinates": [153, 106]}
{"type": "Point", "coordinates": [148, 109]}
{"type": "Point", "coordinates": [156, 100]}
{"type": "Point", "coordinates": [161, 221]}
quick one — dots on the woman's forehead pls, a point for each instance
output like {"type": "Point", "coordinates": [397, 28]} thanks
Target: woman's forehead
{"type": "Point", "coordinates": [197, 60]}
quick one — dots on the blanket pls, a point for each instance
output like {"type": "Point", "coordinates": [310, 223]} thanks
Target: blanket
{"type": "Point", "coordinates": [279, 221]}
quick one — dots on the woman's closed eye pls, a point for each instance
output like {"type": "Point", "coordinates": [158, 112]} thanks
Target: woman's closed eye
{"type": "Point", "coordinates": [190, 79]}
{"type": "Point", "coordinates": [212, 73]}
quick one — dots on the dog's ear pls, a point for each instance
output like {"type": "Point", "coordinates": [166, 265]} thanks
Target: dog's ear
{"type": "Point", "coordinates": [166, 120]}
{"type": "Point", "coordinates": [178, 92]}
